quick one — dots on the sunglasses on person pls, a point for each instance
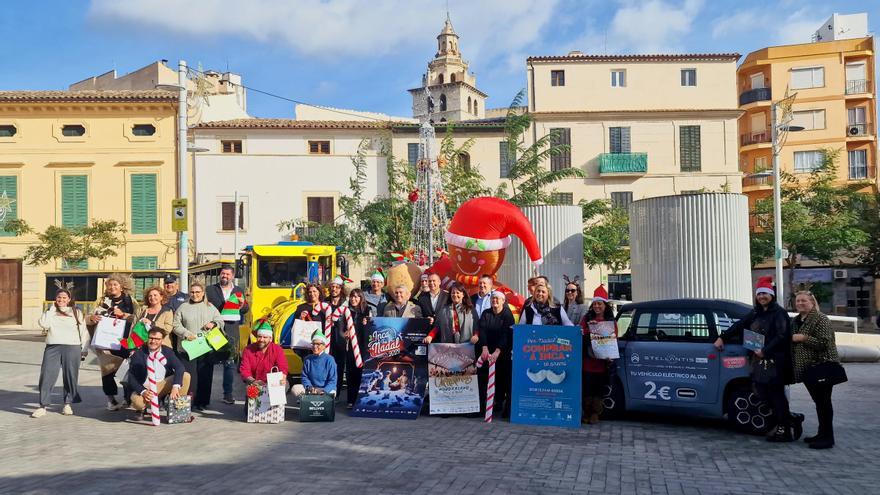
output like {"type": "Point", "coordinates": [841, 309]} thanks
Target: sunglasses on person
{"type": "Point", "coordinates": [570, 290]}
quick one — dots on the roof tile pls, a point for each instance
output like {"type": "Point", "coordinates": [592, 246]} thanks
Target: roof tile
{"type": "Point", "coordinates": [87, 96]}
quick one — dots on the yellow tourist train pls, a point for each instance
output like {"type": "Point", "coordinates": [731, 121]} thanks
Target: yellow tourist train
{"type": "Point", "coordinates": [274, 277]}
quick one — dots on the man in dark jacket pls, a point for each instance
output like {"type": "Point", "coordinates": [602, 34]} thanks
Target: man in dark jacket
{"type": "Point", "coordinates": [229, 300]}
{"type": "Point", "coordinates": [495, 331]}
{"type": "Point", "coordinates": [171, 379]}
{"type": "Point", "coordinates": [771, 323]}
{"type": "Point", "coordinates": [173, 297]}
{"type": "Point", "coordinates": [434, 299]}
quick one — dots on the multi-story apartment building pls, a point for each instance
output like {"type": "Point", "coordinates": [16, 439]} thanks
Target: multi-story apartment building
{"type": "Point", "coordinates": [68, 158]}
{"type": "Point", "coordinates": [834, 109]}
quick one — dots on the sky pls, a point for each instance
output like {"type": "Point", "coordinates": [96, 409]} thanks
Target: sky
{"type": "Point", "coordinates": [365, 54]}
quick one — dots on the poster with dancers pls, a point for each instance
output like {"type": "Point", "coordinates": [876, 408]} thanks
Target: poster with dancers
{"type": "Point", "coordinates": [395, 372]}
{"type": "Point", "coordinates": [453, 377]}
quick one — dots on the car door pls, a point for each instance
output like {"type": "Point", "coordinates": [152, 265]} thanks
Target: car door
{"type": "Point", "coordinates": [671, 361]}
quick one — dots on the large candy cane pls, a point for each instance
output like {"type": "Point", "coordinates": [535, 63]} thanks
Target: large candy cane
{"type": "Point", "coordinates": [490, 389]}
{"type": "Point", "coordinates": [331, 318]}
{"type": "Point", "coordinates": [151, 381]}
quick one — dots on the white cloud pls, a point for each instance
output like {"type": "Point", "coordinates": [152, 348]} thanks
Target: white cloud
{"type": "Point", "coordinates": [342, 28]}
{"type": "Point", "coordinates": [652, 26]}
{"type": "Point", "coordinates": [799, 26]}
{"type": "Point", "coordinates": [738, 23]}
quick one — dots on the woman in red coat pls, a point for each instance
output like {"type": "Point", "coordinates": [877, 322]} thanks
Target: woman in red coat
{"type": "Point", "coordinates": [596, 371]}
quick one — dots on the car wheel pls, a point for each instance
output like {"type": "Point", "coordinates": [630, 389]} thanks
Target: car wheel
{"type": "Point", "coordinates": [613, 401]}
{"type": "Point", "coordinates": [747, 413]}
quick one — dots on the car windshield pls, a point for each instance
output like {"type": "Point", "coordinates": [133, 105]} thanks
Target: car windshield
{"type": "Point", "coordinates": [282, 272]}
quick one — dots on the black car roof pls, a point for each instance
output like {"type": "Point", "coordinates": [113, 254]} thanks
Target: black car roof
{"type": "Point", "coordinates": [732, 308]}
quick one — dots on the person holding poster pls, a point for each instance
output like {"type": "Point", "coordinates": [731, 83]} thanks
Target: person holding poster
{"type": "Point", "coordinates": [116, 303]}
{"type": "Point", "coordinates": [454, 321]}
{"type": "Point", "coordinates": [495, 332]}
{"type": "Point", "coordinates": [595, 325]}
{"type": "Point", "coordinates": [190, 320]}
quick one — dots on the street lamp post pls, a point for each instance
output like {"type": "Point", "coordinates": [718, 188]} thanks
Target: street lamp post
{"type": "Point", "coordinates": [182, 176]}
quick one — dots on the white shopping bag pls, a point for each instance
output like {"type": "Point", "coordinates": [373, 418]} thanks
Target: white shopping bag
{"type": "Point", "coordinates": [108, 333]}
{"type": "Point", "coordinates": [277, 389]}
{"type": "Point", "coordinates": [302, 333]}
{"type": "Point", "coordinates": [603, 340]}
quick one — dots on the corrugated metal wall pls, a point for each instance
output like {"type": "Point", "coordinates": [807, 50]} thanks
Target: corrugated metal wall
{"type": "Point", "coordinates": [559, 230]}
{"type": "Point", "coordinates": [690, 246]}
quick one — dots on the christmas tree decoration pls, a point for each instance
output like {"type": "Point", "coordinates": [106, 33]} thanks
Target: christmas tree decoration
{"type": "Point", "coordinates": [429, 214]}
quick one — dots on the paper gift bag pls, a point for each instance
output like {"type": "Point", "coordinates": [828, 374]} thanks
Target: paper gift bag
{"type": "Point", "coordinates": [260, 411]}
{"type": "Point", "coordinates": [603, 340]}
{"type": "Point", "coordinates": [302, 333]}
{"type": "Point", "coordinates": [108, 333]}
{"type": "Point", "coordinates": [216, 338]}
{"type": "Point", "coordinates": [180, 410]}
{"type": "Point", "coordinates": [197, 347]}
{"type": "Point", "coordinates": [276, 389]}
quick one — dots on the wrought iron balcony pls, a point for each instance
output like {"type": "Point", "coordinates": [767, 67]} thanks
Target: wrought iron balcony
{"type": "Point", "coordinates": [755, 138]}
{"type": "Point", "coordinates": [753, 95]}
{"type": "Point", "coordinates": [858, 86]}
{"type": "Point", "coordinates": [858, 130]}
{"type": "Point", "coordinates": [623, 163]}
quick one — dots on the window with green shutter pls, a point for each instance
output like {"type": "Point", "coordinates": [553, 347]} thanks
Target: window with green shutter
{"type": "Point", "coordinates": [689, 143]}
{"type": "Point", "coordinates": [144, 262]}
{"type": "Point", "coordinates": [74, 201]}
{"type": "Point", "coordinates": [75, 265]}
{"type": "Point", "coordinates": [8, 201]}
{"type": "Point", "coordinates": [143, 204]}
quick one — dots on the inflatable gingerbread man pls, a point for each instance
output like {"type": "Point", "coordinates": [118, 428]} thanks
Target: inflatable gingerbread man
{"type": "Point", "coordinates": [478, 236]}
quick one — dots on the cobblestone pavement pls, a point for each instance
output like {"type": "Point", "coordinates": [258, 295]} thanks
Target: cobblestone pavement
{"type": "Point", "coordinates": [98, 451]}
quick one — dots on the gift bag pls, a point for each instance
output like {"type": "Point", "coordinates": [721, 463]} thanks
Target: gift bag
{"type": "Point", "coordinates": [197, 347]}
{"type": "Point", "coordinates": [314, 408]}
{"type": "Point", "coordinates": [180, 410]}
{"type": "Point", "coordinates": [302, 333]}
{"type": "Point", "coordinates": [276, 389]}
{"type": "Point", "coordinates": [108, 333]}
{"type": "Point", "coordinates": [216, 338]}
{"type": "Point", "coordinates": [260, 411]}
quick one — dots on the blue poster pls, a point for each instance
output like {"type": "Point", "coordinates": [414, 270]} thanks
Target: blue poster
{"type": "Point", "coordinates": [546, 386]}
{"type": "Point", "coordinates": [395, 371]}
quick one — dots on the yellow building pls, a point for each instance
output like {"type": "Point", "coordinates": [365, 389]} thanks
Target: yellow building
{"type": "Point", "coordinates": [70, 157]}
{"type": "Point", "coordinates": [835, 105]}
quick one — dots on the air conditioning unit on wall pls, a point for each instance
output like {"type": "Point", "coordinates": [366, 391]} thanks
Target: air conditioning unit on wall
{"type": "Point", "coordinates": [839, 274]}
{"type": "Point", "coordinates": [853, 130]}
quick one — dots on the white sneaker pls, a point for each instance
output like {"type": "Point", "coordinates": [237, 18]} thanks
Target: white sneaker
{"type": "Point", "coordinates": [67, 410]}
{"type": "Point", "coordinates": [112, 404]}
{"type": "Point", "coordinates": [39, 413]}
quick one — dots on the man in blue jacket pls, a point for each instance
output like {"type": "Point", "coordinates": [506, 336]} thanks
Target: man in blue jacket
{"type": "Point", "coordinates": [319, 369]}
{"type": "Point", "coordinates": [171, 379]}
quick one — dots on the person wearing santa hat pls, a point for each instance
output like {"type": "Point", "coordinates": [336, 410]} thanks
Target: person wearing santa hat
{"type": "Point", "coordinates": [771, 321]}
{"type": "Point", "coordinates": [596, 371]}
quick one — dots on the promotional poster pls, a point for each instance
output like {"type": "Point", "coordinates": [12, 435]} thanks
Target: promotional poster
{"type": "Point", "coordinates": [546, 387]}
{"type": "Point", "coordinates": [395, 369]}
{"type": "Point", "coordinates": [453, 377]}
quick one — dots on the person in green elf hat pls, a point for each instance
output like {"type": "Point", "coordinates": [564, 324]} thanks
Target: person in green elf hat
{"type": "Point", "coordinates": [259, 358]}
{"type": "Point", "coordinates": [319, 369]}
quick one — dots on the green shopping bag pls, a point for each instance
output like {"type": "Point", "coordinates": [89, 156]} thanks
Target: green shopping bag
{"type": "Point", "coordinates": [197, 347]}
{"type": "Point", "coordinates": [216, 338]}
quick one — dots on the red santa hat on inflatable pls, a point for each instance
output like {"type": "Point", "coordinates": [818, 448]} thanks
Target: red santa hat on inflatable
{"type": "Point", "coordinates": [765, 286]}
{"type": "Point", "coordinates": [485, 224]}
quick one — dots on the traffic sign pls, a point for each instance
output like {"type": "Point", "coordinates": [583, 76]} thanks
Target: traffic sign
{"type": "Point", "coordinates": [179, 215]}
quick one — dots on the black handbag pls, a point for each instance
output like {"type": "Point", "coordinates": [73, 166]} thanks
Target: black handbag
{"type": "Point", "coordinates": [317, 408]}
{"type": "Point", "coordinates": [827, 373]}
{"type": "Point", "coordinates": [765, 371]}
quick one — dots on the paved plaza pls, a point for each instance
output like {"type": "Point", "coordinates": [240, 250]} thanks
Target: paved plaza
{"type": "Point", "coordinates": [98, 451]}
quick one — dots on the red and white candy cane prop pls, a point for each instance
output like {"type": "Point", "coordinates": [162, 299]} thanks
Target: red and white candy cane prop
{"type": "Point", "coordinates": [152, 385]}
{"type": "Point", "coordinates": [490, 388]}
{"type": "Point", "coordinates": [332, 317]}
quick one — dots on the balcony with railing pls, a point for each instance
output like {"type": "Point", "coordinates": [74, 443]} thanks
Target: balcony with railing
{"type": "Point", "coordinates": [757, 182]}
{"type": "Point", "coordinates": [755, 138]}
{"type": "Point", "coordinates": [753, 95]}
{"type": "Point", "coordinates": [858, 130]}
{"type": "Point", "coordinates": [858, 86]}
{"type": "Point", "coordinates": [623, 164]}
